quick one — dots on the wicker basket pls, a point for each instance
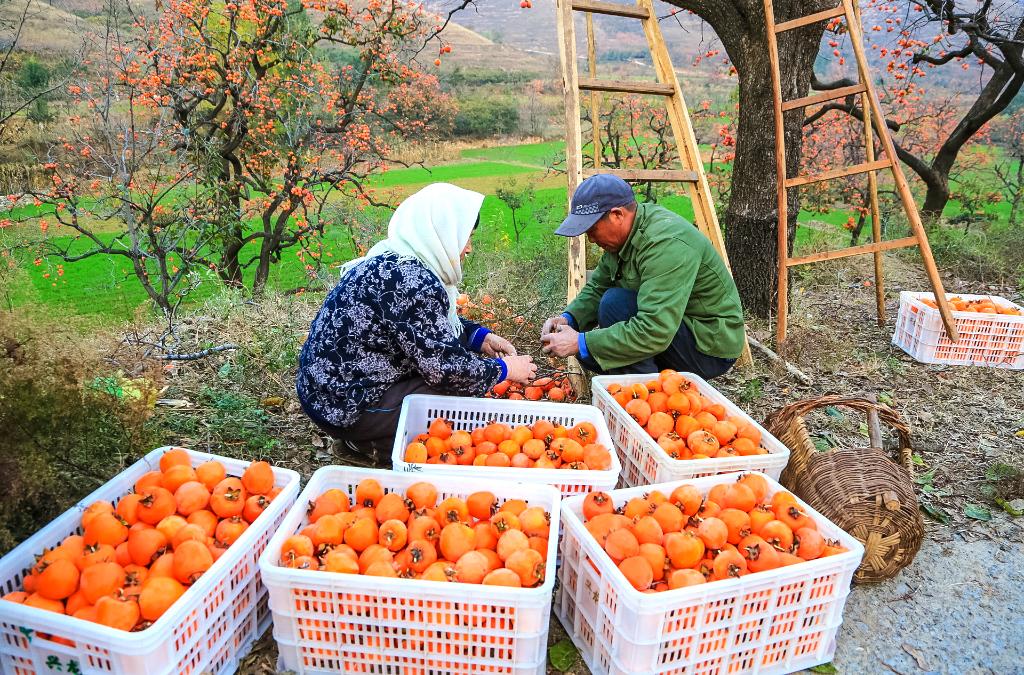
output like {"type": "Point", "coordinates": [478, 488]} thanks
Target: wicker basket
{"type": "Point", "coordinates": [862, 490]}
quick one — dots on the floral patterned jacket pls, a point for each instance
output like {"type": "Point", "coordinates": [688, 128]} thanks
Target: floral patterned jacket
{"type": "Point", "coordinates": [387, 321]}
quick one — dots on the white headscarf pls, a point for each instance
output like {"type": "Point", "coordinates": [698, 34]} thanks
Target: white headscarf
{"type": "Point", "coordinates": [432, 226]}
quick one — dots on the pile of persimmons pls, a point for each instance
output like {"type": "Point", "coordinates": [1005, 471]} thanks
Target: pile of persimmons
{"type": "Point", "coordinates": [685, 423]}
{"type": "Point", "coordinates": [134, 559]}
{"type": "Point", "coordinates": [418, 535]}
{"type": "Point", "coordinates": [553, 388]}
{"type": "Point", "coordinates": [542, 445]}
{"type": "Point", "coordinates": [662, 542]}
{"type": "Point", "coordinates": [981, 306]}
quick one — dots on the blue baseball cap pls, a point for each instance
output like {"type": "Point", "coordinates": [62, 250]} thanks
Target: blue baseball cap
{"type": "Point", "coordinates": [593, 198]}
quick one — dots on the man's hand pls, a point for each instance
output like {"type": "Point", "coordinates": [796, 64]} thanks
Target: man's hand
{"type": "Point", "coordinates": [552, 324]}
{"type": "Point", "coordinates": [496, 346]}
{"type": "Point", "coordinates": [563, 341]}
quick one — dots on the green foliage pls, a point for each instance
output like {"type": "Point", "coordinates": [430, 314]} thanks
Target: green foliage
{"type": "Point", "coordinates": [69, 425]}
{"type": "Point", "coordinates": [33, 78]}
{"type": "Point", "coordinates": [480, 117]}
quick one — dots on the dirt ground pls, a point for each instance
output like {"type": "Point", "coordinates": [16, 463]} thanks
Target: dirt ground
{"type": "Point", "coordinates": [958, 607]}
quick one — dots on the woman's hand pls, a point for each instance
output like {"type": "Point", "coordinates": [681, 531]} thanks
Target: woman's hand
{"type": "Point", "coordinates": [521, 369]}
{"type": "Point", "coordinates": [496, 346]}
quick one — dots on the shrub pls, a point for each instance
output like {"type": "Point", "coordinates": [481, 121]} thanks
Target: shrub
{"type": "Point", "coordinates": [480, 117]}
{"type": "Point", "coordinates": [69, 425]}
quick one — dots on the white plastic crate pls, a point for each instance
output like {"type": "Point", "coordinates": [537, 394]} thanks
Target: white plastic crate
{"type": "Point", "coordinates": [645, 462]}
{"type": "Point", "coordinates": [327, 622]}
{"type": "Point", "coordinates": [994, 340]}
{"type": "Point", "coordinates": [206, 631]}
{"type": "Point", "coordinates": [776, 621]}
{"type": "Point", "coordinates": [419, 410]}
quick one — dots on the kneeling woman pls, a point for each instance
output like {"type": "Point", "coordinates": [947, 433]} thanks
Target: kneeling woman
{"type": "Point", "coordinates": [390, 327]}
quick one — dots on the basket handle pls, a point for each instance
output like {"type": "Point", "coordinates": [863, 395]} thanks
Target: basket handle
{"type": "Point", "coordinates": [785, 416]}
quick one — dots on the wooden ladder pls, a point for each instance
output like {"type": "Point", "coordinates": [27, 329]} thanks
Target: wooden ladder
{"type": "Point", "coordinates": [873, 124]}
{"type": "Point", "coordinates": [691, 171]}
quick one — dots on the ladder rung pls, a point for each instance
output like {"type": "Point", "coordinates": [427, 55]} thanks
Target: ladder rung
{"type": "Point", "coordinates": [809, 19]}
{"type": "Point", "coordinates": [853, 250]}
{"type": "Point", "coordinates": [610, 8]}
{"type": "Point", "coordinates": [839, 173]}
{"type": "Point", "coordinates": [657, 175]}
{"type": "Point", "coordinates": [830, 95]}
{"type": "Point", "coordinates": [655, 88]}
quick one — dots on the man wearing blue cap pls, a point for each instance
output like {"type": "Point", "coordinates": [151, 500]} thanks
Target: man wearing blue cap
{"type": "Point", "coordinates": [661, 296]}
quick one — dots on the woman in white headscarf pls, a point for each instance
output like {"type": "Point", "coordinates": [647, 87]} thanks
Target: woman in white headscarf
{"type": "Point", "coordinates": [390, 327]}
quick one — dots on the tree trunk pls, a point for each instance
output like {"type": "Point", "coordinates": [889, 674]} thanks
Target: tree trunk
{"type": "Point", "coordinates": [752, 214]}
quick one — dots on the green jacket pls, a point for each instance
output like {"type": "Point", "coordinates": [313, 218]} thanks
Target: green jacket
{"type": "Point", "coordinates": [678, 277]}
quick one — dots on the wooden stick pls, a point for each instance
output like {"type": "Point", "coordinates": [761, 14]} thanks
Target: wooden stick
{"type": "Point", "coordinates": [854, 250]}
{"type": "Point", "coordinates": [595, 96]}
{"type": "Point", "coordinates": [902, 187]}
{"type": "Point", "coordinates": [874, 428]}
{"type": "Point", "coordinates": [782, 199]}
{"type": "Point", "coordinates": [876, 218]}
{"type": "Point", "coordinates": [573, 139]}
{"type": "Point", "coordinates": [775, 358]}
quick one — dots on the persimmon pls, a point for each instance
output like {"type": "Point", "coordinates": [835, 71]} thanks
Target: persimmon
{"type": "Point", "coordinates": [503, 521]}
{"type": "Point", "coordinates": [254, 507]}
{"type": "Point", "coordinates": [680, 578]}
{"type": "Point", "coordinates": [120, 613]}
{"type": "Point", "coordinates": [337, 560]}
{"type": "Point", "coordinates": [170, 525]}
{"type": "Point", "coordinates": [156, 504]}
{"type": "Point", "coordinates": [739, 497]}
{"type": "Point", "coordinates": [596, 503]}
{"type": "Point", "coordinates": [485, 536]}
{"type": "Point", "coordinates": [368, 493]}
{"type": "Point", "coordinates": [714, 532]}
{"type": "Point", "coordinates": [424, 528]}
{"type": "Point", "coordinates": [96, 554]}
{"type": "Point", "coordinates": [258, 478]}
{"type": "Point", "coordinates": [510, 542]}
{"type": "Point", "coordinates": [191, 559]}
{"type": "Point", "coordinates": [149, 479]}
{"type": "Point", "coordinates": [57, 580]}
{"type": "Point", "coordinates": [528, 564]}
{"type": "Point", "coordinates": [637, 508]}
{"type": "Point", "coordinates": [177, 475]}
{"type": "Point", "coordinates": [535, 522]}
{"type": "Point", "coordinates": [481, 505]}
{"type": "Point", "coordinates": [452, 510]}
{"type": "Point", "coordinates": [157, 596]}
{"type": "Point", "coordinates": [374, 553]}
{"type": "Point", "coordinates": [392, 535]}
{"type": "Point", "coordinates": [703, 443]}
{"type": "Point", "coordinates": [174, 457]}
{"type": "Point", "coordinates": [440, 428]}
{"type": "Point", "coordinates": [100, 580]}
{"type": "Point", "coordinates": [228, 531]}
{"type": "Point", "coordinates": [502, 577]}
{"type": "Point", "coordinates": [362, 533]}
{"type": "Point", "coordinates": [792, 516]}
{"type": "Point", "coordinates": [145, 545]}
{"type": "Point", "coordinates": [18, 597]}
{"type": "Point", "coordinates": [686, 425]}
{"type": "Point", "coordinates": [660, 423]}
{"type": "Point", "coordinates": [330, 502]}
{"type": "Point", "coordinates": [637, 571]}
{"type": "Point", "coordinates": [39, 602]}
{"type": "Point", "coordinates": [639, 410]}
{"type": "Point", "coordinates": [621, 544]}
{"type": "Point", "coordinates": [423, 495]}
{"type": "Point", "coordinates": [809, 544]}
{"type": "Point", "coordinates": [191, 496]}
{"type": "Point", "coordinates": [105, 528]}
{"type": "Point", "coordinates": [393, 506]}
{"type": "Point", "coordinates": [472, 567]}
{"type": "Point", "coordinates": [210, 473]}
{"type": "Point", "coordinates": [729, 563]}
{"type": "Point", "coordinates": [737, 522]}
{"type": "Point", "coordinates": [162, 566]}
{"type": "Point", "coordinates": [778, 534]}
{"type": "Point", "coordinates": [669, 516]}
{"type": "Point", "coordinates": [127, 508]}
{"type": "Point", "coordinates": [228, 498]}
{"type": "Point", "coordinates": [295, 546]}
{"type": "Point", "coordinates": [456, 539]}
{"type": "Point", "coordinates": [647, 530]}
{"type": "Point", "coordinates": [421, 555]}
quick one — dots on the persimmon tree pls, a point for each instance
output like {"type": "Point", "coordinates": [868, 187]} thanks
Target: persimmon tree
{"type": "Point", "coordinates": [917, 37]}
{"type": "Point", "coordinates": [211, 139]}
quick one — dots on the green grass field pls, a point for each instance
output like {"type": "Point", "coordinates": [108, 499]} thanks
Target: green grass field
{"type": "Point", "coordinates": [105, 290]}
